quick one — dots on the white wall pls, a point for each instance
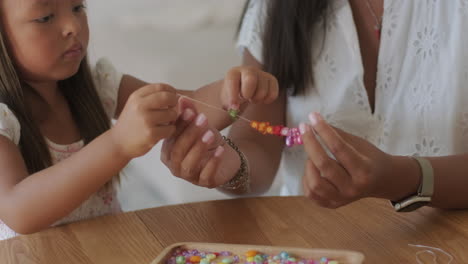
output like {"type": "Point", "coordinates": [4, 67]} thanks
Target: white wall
{"type": "Point", "coordinates": [186, 43]}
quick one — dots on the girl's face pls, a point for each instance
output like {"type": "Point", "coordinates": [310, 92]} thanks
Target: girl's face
{"type": "Point", "coordinates": [47, 38]}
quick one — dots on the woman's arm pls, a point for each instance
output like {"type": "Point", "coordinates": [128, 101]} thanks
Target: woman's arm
{"type": "Point", "coordinates": [362, 170]}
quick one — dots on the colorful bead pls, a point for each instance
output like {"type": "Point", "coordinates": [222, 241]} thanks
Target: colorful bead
{"type": "Point", "coordinates": [195, 259]}
{"type": "Point", "coordinates": [227, 261]}
{"type": "Point", "coordinates": [180, 260]}
{"type": "Point", "coordinates": [289, 141]}
{"type": "Point", "coordinates": [210, 256]}
{"type": "Point", "coordinates": [258, 259]}
{"type": "Point", "coordinates": [254, 124]}
{"type": "Point", "coordinates": [284, 255]}
{"type": "Point", "coordinates": [324, 260]}
{"type": "Point", "coordinates": [234, 114]}
{"type": "Point", "coordinates": [251, 253]}
{"type": "Point", "coordinates": [204, 261]}
{"type": "Point", "coordinates": [269, 130]}
{"type": "Point", "coordinates": [262, 127]}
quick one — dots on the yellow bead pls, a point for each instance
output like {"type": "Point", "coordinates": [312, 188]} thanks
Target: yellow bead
{"type": "Point", "coordinates": [250, 259]}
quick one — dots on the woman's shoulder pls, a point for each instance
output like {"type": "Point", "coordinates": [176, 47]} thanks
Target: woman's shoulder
{"type": "Point", "coordinates": [9, 124]}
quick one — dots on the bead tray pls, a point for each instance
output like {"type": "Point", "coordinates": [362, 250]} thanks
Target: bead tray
{"type": "Point", "coordinates": [343, 256]}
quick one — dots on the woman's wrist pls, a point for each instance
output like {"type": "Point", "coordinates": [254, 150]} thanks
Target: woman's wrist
{"type": "Point", "coordinates": [402, 179]}
{"type": "Point", "coordinates": [240, 181]}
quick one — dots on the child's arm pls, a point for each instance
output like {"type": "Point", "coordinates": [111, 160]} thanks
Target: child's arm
{"type": "Point", "coordinates": [30, 203]}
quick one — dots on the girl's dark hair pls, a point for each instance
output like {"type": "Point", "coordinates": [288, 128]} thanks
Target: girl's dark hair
{"type": "Point", "coordinates": [287, 40]}
{"type": "Point", "coordinates": [80, 93]}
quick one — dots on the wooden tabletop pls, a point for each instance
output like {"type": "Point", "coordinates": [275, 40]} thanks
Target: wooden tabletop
{"type": "Point", "coordinates": [369, 226]}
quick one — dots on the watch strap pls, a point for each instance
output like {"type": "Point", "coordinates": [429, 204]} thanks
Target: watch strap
{"type": "Point", "coordinates": [426, 188]}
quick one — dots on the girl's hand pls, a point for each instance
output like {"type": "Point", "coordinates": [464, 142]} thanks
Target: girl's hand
{"type": "Point", "coordinates": [360, 169]}
{"type": "Point", "coordinates": [251, 84]}
{"type": "Point", "coordinates": [148, 116]}
{"type": "Point", "coordinates": [196, 152]}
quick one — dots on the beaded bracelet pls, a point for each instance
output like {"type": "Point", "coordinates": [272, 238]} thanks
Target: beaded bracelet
{"type": "Point", "coordinates": [241, 181]}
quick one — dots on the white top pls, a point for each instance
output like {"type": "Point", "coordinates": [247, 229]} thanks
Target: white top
{"type": "Point", "coordinates": [107, 80]}
{"type": "Point", "coordinates": [421, 99]}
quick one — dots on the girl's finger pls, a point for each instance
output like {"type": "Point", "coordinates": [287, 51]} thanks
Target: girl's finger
{"type": "Point", "coordinates": [249, 83]}
{"type": "Point", "coordinates": [273, 90]}
{"type": "Point", "coordinates": [232, 83]}
{"type": "Point", "coordinates": [261, 91]}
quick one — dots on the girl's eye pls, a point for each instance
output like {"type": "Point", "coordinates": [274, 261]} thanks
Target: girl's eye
{"type": "Point", "coordinates": [44, 19]}
{"type": "Point", "coordinates": [79, 8]}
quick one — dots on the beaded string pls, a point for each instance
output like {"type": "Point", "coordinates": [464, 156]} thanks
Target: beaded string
{"type": "Point", "coordinates": [292, 135]}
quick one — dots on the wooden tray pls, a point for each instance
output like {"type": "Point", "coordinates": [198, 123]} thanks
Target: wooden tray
{"type": "Point", "coordinates": [343, 256]}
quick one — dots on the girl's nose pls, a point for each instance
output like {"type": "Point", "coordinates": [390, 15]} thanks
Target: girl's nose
{"type": "Point", "coordinates": [72, 26]}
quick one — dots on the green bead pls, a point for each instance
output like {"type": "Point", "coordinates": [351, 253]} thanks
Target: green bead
{"type": "Point", "coordinates": [234, 114]}
{"type": "Point", "coordinates": [204, 261]}
{"type": "Point", "coordinates": [292, 259]}
{"type": "Point", "coordinates": [227, 260]}
{"type": "Point", "coordinates": [258, 259]}
{"type": "Point", "coordinates": [180, 260]}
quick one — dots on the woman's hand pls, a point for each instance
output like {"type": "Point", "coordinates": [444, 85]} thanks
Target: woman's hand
{"type": "Point", "coordinates": [360, 169]}
{"type": "Point", "coordinates": [245, 83]}
{"type": "Point", "coordinates": [196, 152]}
{"type": "Point", "coordinates": [148, 116]}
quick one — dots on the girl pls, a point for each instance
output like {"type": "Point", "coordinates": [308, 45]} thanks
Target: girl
{"type": "Point", "coordinates": [58, 152]}
{"type": "Point", "coordinates": [392, 73]}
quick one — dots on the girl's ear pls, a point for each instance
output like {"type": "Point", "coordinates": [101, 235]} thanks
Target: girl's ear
{"type": "Point", "coordinates": [185, 103]}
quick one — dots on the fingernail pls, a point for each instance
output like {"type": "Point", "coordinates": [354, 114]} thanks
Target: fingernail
{"type": "Point", "coordinates": [235, 106]}
{"type": "Point", "coordinates": [201, 120]}
{"type": "Point", "coordinates": [188, 114]}
{"type": "Point", "coordinates": [219, 151]}
{"type": "Point", "coordinates": [303, 128]}
{"type": "Point", "coordinates": [314, 118]}
{"type": "Point", "coordinates": [208, 136]}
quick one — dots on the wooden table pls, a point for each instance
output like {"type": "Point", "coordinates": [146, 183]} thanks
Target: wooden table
{"type": "Point", "coordinates": [369, 226]}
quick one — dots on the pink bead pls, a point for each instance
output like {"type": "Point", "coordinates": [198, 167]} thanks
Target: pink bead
{"type": "Point", "coordinates": [289, 141]}
{"type": "Point", "coordinates": [285, 131]}
{"type": "Point", "coordinates": [299, 140]}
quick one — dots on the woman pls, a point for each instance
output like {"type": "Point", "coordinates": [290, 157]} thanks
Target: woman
{"type": "Point", "coordinates": [389, 79]}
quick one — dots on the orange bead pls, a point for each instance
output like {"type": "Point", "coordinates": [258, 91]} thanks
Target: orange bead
{"type": "Point", "coordinates": [254, 124]}
{"type": "Point", "coordinates": [262, 127]}
{"type": "Point", "coordinates": [251, 253]}
{"type": "Point", "coordinates": [269, 130]}
{"type": "Point", "coordinates": [195, 259]}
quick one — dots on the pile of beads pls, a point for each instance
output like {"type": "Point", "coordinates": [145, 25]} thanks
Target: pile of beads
{"type": "Point", "coordinates": [194, 256]}
{"type": "Point", "coordinates": [292, 135]}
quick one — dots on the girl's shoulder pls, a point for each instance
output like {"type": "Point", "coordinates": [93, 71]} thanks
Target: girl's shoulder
{"type": "Point", "coordinates": [9, 124]}
{"type": "Point", "coordinates": [107, 81]}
